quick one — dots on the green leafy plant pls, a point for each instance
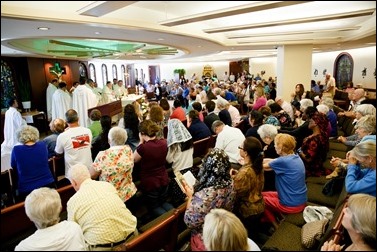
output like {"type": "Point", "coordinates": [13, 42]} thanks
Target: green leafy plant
{"type": "Point", "coordinates": [24, 88]}
{"type": "Point", "coordinates": [181, 72]}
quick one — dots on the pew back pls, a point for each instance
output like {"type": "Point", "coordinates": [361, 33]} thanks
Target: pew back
{"type": "Point", "coordinates": [16, 226]}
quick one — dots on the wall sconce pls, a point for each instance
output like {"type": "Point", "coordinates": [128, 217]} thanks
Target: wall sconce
{"type": "Point", "coordinates": [324, 72]}
{"type": "Point", "coordinates": [316, 72]}
{"type": "Point", "coordinates": [364, 72]}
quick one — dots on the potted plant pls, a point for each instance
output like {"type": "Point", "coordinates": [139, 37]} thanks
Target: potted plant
{"type": "Point", "coordinates": [178, 73]}
{"type": "Point", "coordinates": [24, 91]}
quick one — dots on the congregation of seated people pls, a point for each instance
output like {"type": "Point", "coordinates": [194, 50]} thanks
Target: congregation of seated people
{"type": "Point", "coordinates": [255, 170]}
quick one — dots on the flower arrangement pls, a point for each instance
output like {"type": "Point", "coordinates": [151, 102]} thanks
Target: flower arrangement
{"type": "Point", "coordinates": [144, 106]}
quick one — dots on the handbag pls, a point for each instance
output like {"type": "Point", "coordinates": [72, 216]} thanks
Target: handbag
{"type": "Point", "coordinates": [312, 232]}
{"type": "Point", "coordinates": [333, 186]}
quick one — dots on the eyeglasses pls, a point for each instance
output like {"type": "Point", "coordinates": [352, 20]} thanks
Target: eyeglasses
{"type": "Point", "coordinates": [240, 147]}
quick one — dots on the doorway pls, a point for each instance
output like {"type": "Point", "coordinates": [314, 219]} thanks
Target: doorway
{"type": "Point", "coordinates": [154, 74]}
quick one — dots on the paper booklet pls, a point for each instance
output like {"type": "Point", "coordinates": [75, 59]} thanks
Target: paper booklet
{"type": "Point", "coordinates": [188, 177]}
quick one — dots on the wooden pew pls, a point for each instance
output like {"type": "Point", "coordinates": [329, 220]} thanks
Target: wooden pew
{"type": "Point", "coordinates": [7, 191]}
{"type": "Point", "coordinates": [57, 167]}
{"type": "Point", "coordinates": [201, 147]}
{"type": "Point", "coordinates": [162, 235]}
{"type": "Point", "coordinates": [110, 109]}
{"type": "Point", "coordinates": [16, 226]}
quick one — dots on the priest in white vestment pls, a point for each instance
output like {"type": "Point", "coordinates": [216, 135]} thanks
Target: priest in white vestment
{"type": "Point", "coordinates": [52, 87]}
{"type": "Point", "coordinates": [13, 121]}
{"type": "Point", "coordinates": [61, 102]}
{"type": "Point", "coordinates": [108, 93]}
{"type": "Point", "coordinates": [83, 99]}
{"type": "Point", "coordinates": [120, 90]}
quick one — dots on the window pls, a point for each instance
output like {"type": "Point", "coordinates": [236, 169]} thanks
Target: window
{"type": "Point", "coordinates": [92, 72]}
{"type": "Point", "coordinates": [115, 72]}
{"type": "Point", "coordinates": [7, 84]}
{"type": "Point", "coordinates": [343, 70]}
{"type": "Point", "coordinates": [123, 74]}
{"type": "Point", "coordinates": [104, 75]}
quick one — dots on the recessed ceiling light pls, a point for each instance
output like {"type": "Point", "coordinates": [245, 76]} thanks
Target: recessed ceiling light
{"type": "Point", "coordinates": [160, 39]}
{"type": "Point", "coordinates": [43, 28]}
{"type": "Point", "coordinates": [97, 33]}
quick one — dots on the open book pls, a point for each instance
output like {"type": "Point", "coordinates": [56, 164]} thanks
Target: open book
{"type": "Point", "coordinates": [188, 177]}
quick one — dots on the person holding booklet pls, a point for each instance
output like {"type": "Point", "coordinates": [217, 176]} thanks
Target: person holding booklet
{"type": "Point", "coordinates": [180, 151]}
{"type": "Point", "coordinates": [214, 189]}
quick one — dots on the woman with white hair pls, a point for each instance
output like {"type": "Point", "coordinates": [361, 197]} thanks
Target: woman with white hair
{"type": "Point", "coordinates": [363, 110]}
{"type": "Point", "coordinates": [366, 125]}
{"type": "Point", "coordinates": [115, 164]}
{"type": "Point", "coordinates": [43, 207]}
{"type": "Point", "coordinates": [30, 163]}
{"type": "Point", "coordinates": [361, 169]}
{"type": "Point", "coordinates": [331, 115]}
{"type": "Point", "coordinates": [360, 221]}
{"type": "Point", "coordinates": [267, 133]}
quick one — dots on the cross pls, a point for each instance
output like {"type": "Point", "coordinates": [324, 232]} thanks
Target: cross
{"type": "Point", "coordinates": [57, 70]}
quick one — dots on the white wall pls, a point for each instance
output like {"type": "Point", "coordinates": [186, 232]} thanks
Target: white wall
{"type": "Point", "coordinates": [362, 57]}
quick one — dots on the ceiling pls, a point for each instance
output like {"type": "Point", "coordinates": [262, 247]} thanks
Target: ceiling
{"type": "Point", "coordinates": [187, 31]}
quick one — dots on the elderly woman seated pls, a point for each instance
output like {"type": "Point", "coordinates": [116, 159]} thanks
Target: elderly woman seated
{"type": "Point", "coordinates": [43, 207]}
{"type": "Point", "coordinates": [30, 172]}
{"type": "Point", "coordinates": [115, 164]}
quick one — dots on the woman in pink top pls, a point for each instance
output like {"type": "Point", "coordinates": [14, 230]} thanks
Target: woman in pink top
{"type": "Point", "coordinates": [259, 98]}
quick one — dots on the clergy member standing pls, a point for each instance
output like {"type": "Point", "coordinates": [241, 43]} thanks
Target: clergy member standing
{"type": "Point", "coordinates": [52, 87]}
{"type": "Point", "coordinates": [83, 99]}
{"type": "Point", "coordinates": [13, 121]}
{"type": "Point", "coordinates": [61, 101]}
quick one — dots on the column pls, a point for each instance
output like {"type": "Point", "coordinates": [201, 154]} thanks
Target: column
{"type": "Point", "coordinates": [294, 65]}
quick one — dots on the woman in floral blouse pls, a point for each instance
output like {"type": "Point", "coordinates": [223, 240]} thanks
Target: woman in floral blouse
{"type": "Point", "coordinates": [213, 190]}
{"type": "Point", "coordinates": [115, 164]}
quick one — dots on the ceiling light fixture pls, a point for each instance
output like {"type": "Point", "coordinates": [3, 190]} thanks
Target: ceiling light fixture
{"type": "Point", "coordinates": [43, 28]}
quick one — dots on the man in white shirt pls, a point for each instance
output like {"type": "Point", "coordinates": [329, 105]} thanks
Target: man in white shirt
{"type": "Point", "coordinates": [61, 101]}
{"type": "Point", "coordinates": [13, 121]}
{"type": "Point", "coordinates": [83, 99]}
{"type": "Point", "coordinates": [330, 84]}
{"type": "Point", "coordinates": [226, 76]}
{"type": "Point", "coordinates": [286, 106]}
{"type": "Point", "coordinates": [232, 78]}
{"type": "Point", "coordinates": [228, 139]}
{"type": "Point", "coordinates": [74, 142]}
{"type": "Point", "coordinates": [52, 87]}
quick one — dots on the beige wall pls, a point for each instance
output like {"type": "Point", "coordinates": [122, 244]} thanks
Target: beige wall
{"type": "Point", "coordinates": [219, 68]}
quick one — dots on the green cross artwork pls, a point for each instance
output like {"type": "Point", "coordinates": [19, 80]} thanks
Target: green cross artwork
{"type": "Point", "coordinates": [57, 70]}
